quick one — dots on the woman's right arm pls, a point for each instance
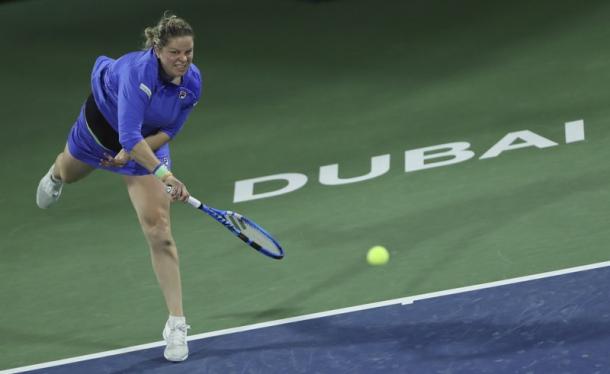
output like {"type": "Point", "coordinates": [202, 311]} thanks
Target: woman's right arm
{"type": "Point", "coordinates": [143, 155]}
{"type": "Point", "coordinates": [134, 93]}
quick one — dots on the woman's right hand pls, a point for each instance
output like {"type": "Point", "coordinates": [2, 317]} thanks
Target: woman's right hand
{"type": "Point", "coordinates": [178, 189]}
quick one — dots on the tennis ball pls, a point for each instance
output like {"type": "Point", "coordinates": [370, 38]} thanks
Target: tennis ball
{"type": "Point", "coordinates": [377, 255]}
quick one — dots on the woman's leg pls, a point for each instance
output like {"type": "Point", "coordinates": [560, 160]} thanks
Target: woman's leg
{"type": "Point", "coordinates": [68, 169]}
{"type": "Point", "coordinates": [152, 205]}
{"type": "Point", "coordinates": [65, 169]}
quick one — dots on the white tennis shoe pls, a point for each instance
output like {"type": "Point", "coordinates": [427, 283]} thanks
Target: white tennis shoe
{"type": "Point", "coordinates": [48, 190]}
{"type": "Point", "coordinates": [176, 349]}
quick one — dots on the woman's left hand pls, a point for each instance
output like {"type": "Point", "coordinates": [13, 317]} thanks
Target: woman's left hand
{"type": "Point", "coordinates": [117, 161]}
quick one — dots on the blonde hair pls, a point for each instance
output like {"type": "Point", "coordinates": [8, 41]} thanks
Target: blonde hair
{"type": "Point", "coordinates": [169, 26]}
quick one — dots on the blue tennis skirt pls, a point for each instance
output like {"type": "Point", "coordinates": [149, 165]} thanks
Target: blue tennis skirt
{"type": "Point", "coordinates": [84, 146]}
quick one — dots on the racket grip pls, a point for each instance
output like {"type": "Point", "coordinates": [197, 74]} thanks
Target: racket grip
{"type": "Point", "coordinates": [194, 202]}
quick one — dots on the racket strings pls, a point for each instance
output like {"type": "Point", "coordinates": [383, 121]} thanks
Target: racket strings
{"type": "Point", "coordinates": [258, 236]}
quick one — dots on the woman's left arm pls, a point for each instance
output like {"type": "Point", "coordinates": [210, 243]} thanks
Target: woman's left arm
{"type": "Point", "coordinates": [155, 141]}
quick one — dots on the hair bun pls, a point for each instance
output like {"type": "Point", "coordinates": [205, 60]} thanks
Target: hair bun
{"type": "Point", "coordinates": [169, 26]}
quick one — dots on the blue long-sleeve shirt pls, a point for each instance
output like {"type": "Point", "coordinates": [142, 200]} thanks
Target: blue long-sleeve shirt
{"type": "Point", "coordinates": [137, 101]}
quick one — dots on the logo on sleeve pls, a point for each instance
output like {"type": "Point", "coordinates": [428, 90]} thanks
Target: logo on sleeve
{"type": "Point", "coordinates": [182, 94]}
{"type": "Point", "coordinates": [146, 90]}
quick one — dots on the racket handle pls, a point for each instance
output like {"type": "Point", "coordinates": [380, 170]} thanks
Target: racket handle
{"type": "Point", "coordinates": [194, 202]}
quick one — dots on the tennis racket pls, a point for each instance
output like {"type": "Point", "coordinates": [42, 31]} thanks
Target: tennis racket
{"type": "Point", "coordinates": [242, 227]}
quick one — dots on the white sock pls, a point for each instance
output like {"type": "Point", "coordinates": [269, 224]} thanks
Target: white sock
{"type": "Point", "coordinates": [172, 321]}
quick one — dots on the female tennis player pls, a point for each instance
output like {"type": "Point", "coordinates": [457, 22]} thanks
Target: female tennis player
{"type": "Point", "coordinates": [139, 102]}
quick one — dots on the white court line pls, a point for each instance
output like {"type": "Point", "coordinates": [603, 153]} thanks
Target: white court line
{"type": "Point", "coordinates": [403, 301]}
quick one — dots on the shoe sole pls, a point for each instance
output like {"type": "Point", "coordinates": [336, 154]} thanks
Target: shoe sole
{"type": "Point", "coordinates": [176, 360]}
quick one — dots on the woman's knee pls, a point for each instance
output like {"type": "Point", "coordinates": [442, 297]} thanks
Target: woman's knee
{"type": "Point", "coordinates": [153, 209]}
{"type": "Point", "coordinates": [70, 169]}
{"type": "Point", "coordinates": [156, 227]}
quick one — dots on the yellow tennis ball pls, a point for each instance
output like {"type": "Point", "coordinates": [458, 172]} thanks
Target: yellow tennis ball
{"type": "Point", "coordinates": [377, 255]}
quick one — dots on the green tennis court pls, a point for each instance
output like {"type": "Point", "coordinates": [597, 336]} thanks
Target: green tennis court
{"type": "Point", "coordinates": [289, 87]}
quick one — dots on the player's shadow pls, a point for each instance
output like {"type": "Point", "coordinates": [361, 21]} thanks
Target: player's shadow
{"type": "Point", "coordinates": [288, 306]}
{"type": "Point", "coordinates": [260, 315]}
